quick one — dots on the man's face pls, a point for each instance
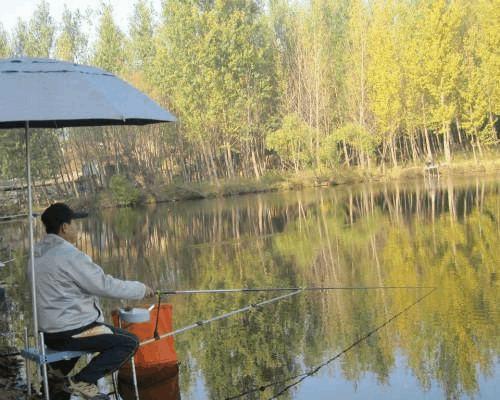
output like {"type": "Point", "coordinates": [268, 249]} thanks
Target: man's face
{"type": "Point", "coordinates": [68, 232]}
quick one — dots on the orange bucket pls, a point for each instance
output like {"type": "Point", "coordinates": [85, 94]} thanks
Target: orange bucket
{"type": "Point", "coordinates": [155, 361]}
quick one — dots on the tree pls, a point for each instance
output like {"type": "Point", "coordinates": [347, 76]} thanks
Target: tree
{"type": "Point", "coordinates": [179, 73]}
{"type": "Point", "coordinates": [4, 43]}
{"type": "Point", "coordinates": [19, 38]}
{"type": "Point", "coordinates": [311, 63]}
{"type": "Point", "coordinates": [241, 64]}
{"type": "Point", "coordinates": [215, 62]}
{"type": "Point", "coordinates": [108, 49]}
{"type": "Point", "coordinates": [481, 94]}
{"type": "Point", "coordinates": [384, 74]}
{"type": "Point", "coordinates": [358, 60]}
{"type": "Point", "coordinates": [414, 98]}
{"type": "Point", "coordinates": [356, 78]}
{"type": "Point", "coordinates": [141, 49]}
{"type": "Point", "coordinates": [441, 57]}
{"type": "Point", "coordinates": [40, 34]}
{"type": "Point", "coordinates": [71, 44]}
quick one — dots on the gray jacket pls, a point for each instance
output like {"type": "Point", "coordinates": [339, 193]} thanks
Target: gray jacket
{"type": "Point", "coordinates": [68, 283]}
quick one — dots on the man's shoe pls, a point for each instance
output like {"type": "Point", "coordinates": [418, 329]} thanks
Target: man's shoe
{"type": "Point", "coordinates": [88, 391]}
{"type": "Point", "coordinates": [60, 396]}
{"type": "Point", "coordinates": [55, 374]}
{"type": "Point", "coordinates": [57, 384]}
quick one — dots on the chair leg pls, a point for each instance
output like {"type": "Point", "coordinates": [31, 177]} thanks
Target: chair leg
{"type": "Point", "coordinates": [134, 378]}
{"type": "Point", "coordinates": [27, 363]}
{"type": "Point", "coordinates": [44, 368]}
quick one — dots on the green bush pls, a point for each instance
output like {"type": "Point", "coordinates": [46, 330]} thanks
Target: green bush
{"type": "Point", "coordinates": [358, 137]}
{"type": "Point", "coordinates": [329, 154]}
{"type": "Point", "coordinates": [123, 191]}
{"type": "Point", "coordinates": [291, 142]}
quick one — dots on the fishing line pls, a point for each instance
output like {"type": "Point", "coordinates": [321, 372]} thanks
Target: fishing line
{"type": "Point", "coordinates": [279, 289]}
{"type": "Point", "coordinates": [301, 377]}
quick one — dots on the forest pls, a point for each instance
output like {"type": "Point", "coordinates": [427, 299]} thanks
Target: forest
{"type": "Point", "coordinates": [276, 86]}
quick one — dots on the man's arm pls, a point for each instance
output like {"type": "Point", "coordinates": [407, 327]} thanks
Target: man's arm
{"type": "Point", "coordinates": [91, 278]}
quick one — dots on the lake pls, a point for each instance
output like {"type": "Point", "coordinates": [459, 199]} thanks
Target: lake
{"type": "Point", "coordinates": [435, 333]}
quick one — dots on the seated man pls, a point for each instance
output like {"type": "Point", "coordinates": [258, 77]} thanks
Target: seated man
{"type": "Point", "coordinates": [67, 286]}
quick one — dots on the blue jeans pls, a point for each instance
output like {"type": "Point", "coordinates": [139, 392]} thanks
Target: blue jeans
{"type": "Point", "coordinates": [114, 350]}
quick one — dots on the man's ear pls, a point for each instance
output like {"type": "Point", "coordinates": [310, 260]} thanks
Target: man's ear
{"type": "Point", "coordinates": [63, 227]}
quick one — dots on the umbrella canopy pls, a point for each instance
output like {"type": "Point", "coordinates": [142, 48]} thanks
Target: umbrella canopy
{"type": "Point", "coordinates": [54, 94]}
{"type": "Point", "coordinates": [45, 93]}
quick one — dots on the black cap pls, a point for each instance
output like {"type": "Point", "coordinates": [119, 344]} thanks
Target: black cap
{"type": "Point", "coordinates": [57, 214]}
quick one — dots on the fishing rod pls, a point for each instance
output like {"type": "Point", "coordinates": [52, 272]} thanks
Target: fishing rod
{"type": "Point", "coordinates": [216, 318]}
{"type": "Point", "coordinates": [283, 289]}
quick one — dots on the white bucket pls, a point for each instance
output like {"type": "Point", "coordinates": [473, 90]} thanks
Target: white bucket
{"type": "Point", "coordinates": [134, 315]}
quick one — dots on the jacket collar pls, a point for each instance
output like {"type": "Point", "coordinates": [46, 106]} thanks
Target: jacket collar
{"type": "Point", "coordinates": [48, 242]}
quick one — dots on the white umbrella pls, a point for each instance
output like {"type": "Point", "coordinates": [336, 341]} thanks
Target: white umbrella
{"type": "Point", "coordinates": [47, 93]}
{"type": "Point", "coordinates": [53, 94]}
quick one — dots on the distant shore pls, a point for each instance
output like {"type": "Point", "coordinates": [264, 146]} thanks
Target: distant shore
{"type": "Point", "coordinates": [274, 181]}
{"type": "Point", "coordinates": [279, 181]}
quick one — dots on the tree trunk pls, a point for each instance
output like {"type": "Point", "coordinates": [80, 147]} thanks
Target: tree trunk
{"type": "Point", "coordinates": [474, 138]}
{"type": "Point", "coordinates": [255, 165]}
{"type": "Point", "coordinates": [446, 142]}
{"type": "Point", "coordinates": [426, 132]}
{"type": "Point", "coordinates": [346, 153]}
{"type": "Point", "coordinates": [457, 124]}
{"type": "Point", "coordinates": [392, 148]}
{"type": "Point", "coordinates": [414, 152]}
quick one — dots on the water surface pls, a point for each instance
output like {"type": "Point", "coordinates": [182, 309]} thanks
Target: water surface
{"type": "Point", "coordinates": [443, 235]}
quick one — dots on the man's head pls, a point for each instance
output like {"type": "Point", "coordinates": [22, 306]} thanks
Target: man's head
{"type": "Point", "coordinates": [57, 220]}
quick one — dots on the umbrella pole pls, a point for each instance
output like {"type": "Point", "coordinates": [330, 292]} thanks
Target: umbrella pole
{"type": "Point", "coordinates": [31, 240]}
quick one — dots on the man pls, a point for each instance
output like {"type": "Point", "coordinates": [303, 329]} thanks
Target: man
{"type": "Point", "coordinates": [67, 286]}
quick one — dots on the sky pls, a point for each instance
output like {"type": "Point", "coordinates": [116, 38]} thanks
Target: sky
{"type": "Point", "coordinates": [11, 10]}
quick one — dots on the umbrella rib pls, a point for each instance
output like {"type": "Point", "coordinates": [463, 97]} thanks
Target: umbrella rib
{"type": "Point", "coordinates": [10, 71]}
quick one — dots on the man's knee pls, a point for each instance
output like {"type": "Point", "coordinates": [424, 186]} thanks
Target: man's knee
{"type": "Point", "coordinates": [127, 341]}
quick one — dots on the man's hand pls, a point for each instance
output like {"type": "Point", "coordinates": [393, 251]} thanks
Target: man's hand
{"type": "Point", "coordinates": [149, 292]}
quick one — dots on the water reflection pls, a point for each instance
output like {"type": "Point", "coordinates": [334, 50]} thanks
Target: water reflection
{"type": "Point", "coordinates": [444, 236]}
{"type": "Point", "coordinates": [165, 387]}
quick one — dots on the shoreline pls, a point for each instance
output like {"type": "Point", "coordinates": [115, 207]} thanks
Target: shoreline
{"type": "Point", "coordinates": [274, 181]}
